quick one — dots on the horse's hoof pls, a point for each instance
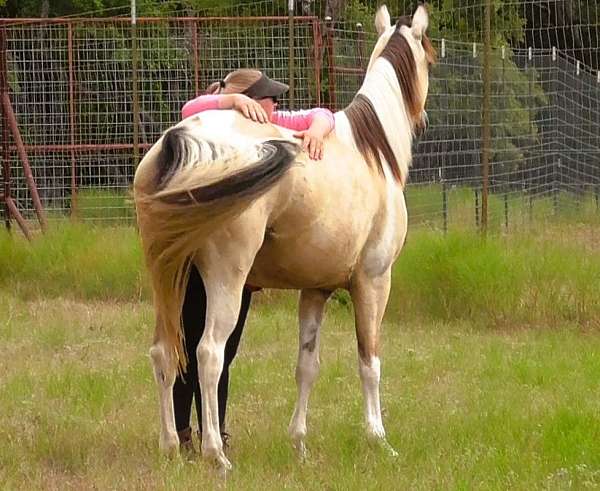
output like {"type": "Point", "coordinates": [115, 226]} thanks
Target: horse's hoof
{"type": "Point", "coordinates": [223, 463]}
{"type": "Point", "coordinates": [379, 441]}
{"type": "Point", "coordinates": [389, 449]}
{"type": "Point", "coordinates": [383, 444]}
{"type": "Point", "coordinates": [169, 445]}
{"type": "Point", "coordinates": [300, 448]}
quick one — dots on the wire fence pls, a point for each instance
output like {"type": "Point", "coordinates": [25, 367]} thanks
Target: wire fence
{"type": "Point", "coordinates": [71, 88]}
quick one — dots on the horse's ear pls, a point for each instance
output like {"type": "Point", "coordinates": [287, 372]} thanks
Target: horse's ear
{"type": "Point", "coordinates": [382, 20]}
{"type": "Point", "coordinates": [420, 21]}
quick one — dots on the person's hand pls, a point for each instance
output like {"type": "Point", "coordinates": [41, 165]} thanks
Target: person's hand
{"type": "Point", "coordinates": [250, 108]}
{"type": "Point", "coordinates": [312, 142]}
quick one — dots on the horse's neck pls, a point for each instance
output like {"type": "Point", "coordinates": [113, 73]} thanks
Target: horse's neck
{"type": "Point", "coordinates": [381, 87]}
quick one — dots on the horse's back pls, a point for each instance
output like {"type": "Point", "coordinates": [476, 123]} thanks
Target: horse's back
{"type": "Point", "coordinates": [317, 219]}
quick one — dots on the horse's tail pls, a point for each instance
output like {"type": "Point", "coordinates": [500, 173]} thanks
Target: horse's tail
{"type": "Point", "coordinates": [192, 196]}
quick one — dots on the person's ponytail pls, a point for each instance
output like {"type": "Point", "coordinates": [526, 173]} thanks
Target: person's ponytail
{"type": "Point", "coordinates": [214, 88]}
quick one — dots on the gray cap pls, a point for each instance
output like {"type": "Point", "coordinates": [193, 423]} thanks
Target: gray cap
{"type": "Point", "coordinates": [265, 87]}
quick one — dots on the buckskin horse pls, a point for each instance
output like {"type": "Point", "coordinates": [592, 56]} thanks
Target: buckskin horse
{"type": "Point", "coordinates": [243, 203]}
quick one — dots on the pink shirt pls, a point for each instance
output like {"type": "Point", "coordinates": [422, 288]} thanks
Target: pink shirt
{"type": "Point", "coordinates": [293, 120]}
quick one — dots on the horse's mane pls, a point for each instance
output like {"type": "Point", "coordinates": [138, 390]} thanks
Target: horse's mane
{"type": "Point", "coordinates": [367, 130]}
{"type": "Point", "coordinates": [369, 135]}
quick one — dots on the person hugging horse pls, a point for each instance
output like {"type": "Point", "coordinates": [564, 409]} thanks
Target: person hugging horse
{"type": "Point", "coordinates": [256, 96]}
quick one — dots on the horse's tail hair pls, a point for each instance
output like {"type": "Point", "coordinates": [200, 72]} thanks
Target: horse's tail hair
{"type": "Point", "coordinates": [189, 202]}
{"type": "Point", "coordinates": [177, 149]}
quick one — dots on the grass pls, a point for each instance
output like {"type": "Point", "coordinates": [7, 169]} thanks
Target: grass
{"type": "Point", "coordinates": [491, 363]}
{"type": "Point", "coordinates": [501, 281]}
{"type": "Point", "coordinates": [548, 277]}
{"type": "Point", "coordinates": [466, 407]}
{"type": "Point", "coordinates": [75, 260]}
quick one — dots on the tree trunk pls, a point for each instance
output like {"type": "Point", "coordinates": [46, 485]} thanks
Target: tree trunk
{"type": "Point", "coordinates": [335, 8]}
{"type": "Point", "coordinates": [45, 9]}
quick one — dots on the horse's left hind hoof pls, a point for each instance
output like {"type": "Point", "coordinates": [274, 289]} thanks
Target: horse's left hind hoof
{"type": "Point", "coordinates": [300, 449]}
{"type": "Point", "coordinates": [389, 449]}
{"type": "Point", "coordinates": [382, 443]}
{"type": "Point", "coordinates": [223, 464]}
{"type": "Point", "coordinates": [218, 459]}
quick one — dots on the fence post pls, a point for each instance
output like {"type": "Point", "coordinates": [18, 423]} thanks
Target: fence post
{"type": "Point", "coordinates": [196, 57]}
{"type": "Point", "coordinates": [503, 105]}
{"type": "Point", "coordinates": [444, 200]}
{"type": "Point", "coordinates": [5, 154]}
{"type": "Point", "coordinates": [134, 82]}
{"type": "Point", "coordinates": [486, 130]}
{"type": "Point", "coordinates": [555, 143]}
{"type": "Point", "coordinates": [506, 210]}
{"type": "Point", "coordinates": [556, 187]}
{"type": "Point", "coordinates": [477, 222]}
{"type": "Point", "coordinates": [361, 46]}
{"type": "Point", "coordinates": [11, 121]}
{"type": "Point", "coordinates": [318, 51]}
{"type": "Point", "coordinates": [291, 61]}
{"type": "Point", "coordinates": [529, 112]}
{"type": "Point", "coordinates": [8, 120]}
{"type": "Point", "coordinates": [330, 58]}
{"type": "Point", "coordinates": [72, 120]}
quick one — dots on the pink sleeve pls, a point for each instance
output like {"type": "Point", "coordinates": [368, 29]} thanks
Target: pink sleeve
{"type": "Point", "coordinates": [199, 104]}
{"type": "Point", "coordinates": [301, 120]}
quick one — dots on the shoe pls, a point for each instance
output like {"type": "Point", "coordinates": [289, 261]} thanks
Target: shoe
{"type": "Point", "coordinates": [225, 437]}
{"type": "Point", "coordinates": [186, 445]}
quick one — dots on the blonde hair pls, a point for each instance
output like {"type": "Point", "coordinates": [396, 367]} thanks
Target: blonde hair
{"type": "Point", "coordinates": [235, 82]}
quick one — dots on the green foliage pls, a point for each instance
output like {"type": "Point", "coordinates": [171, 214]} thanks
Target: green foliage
{"type": "Point", "coordinates": [457, 85]}
{"type": "Point", "coordinates": [463, 21]}
{"type": "Point", "coordinates": [74, 260]}
{"type": "Point", "coordinates": [167, 61]}
{"type": "Point", "coordinates": [457, 94]}
{"type": "Point", "coordinates": [518, 94]}
{"type": "Point", "coordinates": [57, 8]}
{"type": "Point", "coordinates": [356, 11]}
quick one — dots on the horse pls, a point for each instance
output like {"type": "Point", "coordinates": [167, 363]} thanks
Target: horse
{"type": "Point", "coordinates": [244, 204]}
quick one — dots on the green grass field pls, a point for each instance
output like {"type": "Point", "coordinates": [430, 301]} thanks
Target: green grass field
{"type": "Point", "coordinates": [491, 371]}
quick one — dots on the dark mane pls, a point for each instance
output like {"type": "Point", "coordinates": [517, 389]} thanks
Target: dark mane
{"type": "Point", "coordinates": [369, 135]}
{"type": "Point", "coordinates": [397, 51]}
{"type": "Point", "coordinates": [367, 130]}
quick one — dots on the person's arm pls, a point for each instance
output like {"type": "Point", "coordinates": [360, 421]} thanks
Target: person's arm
{"type": "Point", "coordinates": [247, 106]}
{"type": "Point", "coordinates": [199, 104]}
{"type": "Point", "coordinates": [312, 126]}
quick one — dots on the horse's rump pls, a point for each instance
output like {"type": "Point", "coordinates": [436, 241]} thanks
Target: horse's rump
{"type": "Point", "coordinates": [183, 210]}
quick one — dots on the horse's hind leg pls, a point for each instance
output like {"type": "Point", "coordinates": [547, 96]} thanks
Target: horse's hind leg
{"type": "Point", "coordinates": [165, 369]}
{"type": "Point", "coordinates": [312, 303]}
{"type": "Point", "coordinates": [223, 297]}
{"type": "Point", "coordinates": [369, 296]}
{"type": "Point", "coordinates": [224, 264]}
